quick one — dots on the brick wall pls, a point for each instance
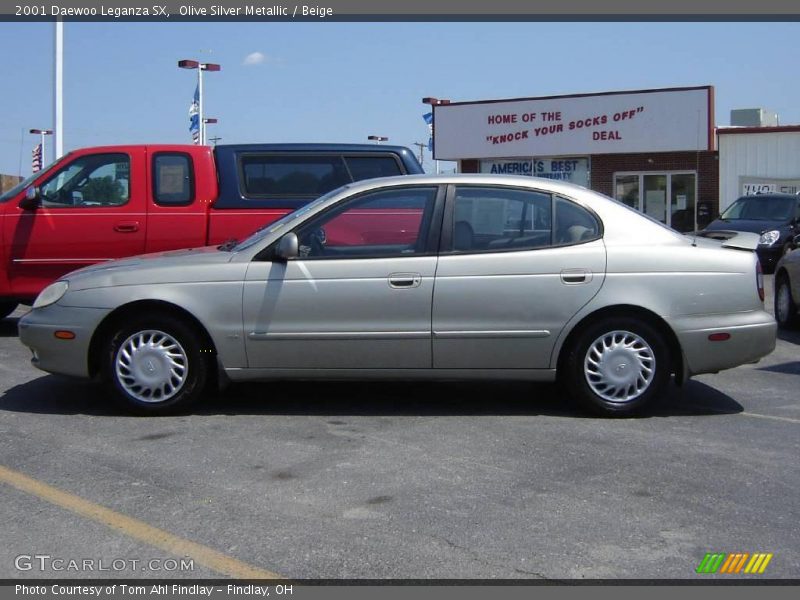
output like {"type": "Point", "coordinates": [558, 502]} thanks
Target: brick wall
{"type": "Point", "coordinates": [8, 181]}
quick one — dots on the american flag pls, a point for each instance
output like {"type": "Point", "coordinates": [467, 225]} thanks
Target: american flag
{"type": "Point", "coordinates": [36, 159]}
{"type": "Point", "coordinates": [194, 116]}
{"type": "Point", "coordinates": [429, 120]}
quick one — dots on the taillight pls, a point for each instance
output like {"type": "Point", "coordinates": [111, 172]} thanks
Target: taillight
{"type": "Point", "coordinates": [760, 280]}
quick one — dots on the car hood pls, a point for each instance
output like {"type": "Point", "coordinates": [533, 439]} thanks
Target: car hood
{"type": "Point", "coordinates": [755, 226]}
{"type": "Point", "coordinates": [192, 264]}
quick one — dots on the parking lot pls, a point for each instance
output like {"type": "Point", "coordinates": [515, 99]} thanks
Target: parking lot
{"type": "Point", "coordinates": [401, 480]}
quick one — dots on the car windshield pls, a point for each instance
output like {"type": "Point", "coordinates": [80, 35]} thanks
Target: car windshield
{"type": "Point", "coordinates": [760, 208]}
{"type": "Point", "coordinates": [270, 228]}
{"type": "Point", "coordinates": [24, 183]}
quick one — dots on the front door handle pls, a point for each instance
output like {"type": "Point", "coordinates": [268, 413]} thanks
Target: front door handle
{"type": "Point", "coordinates": [127, 226]}
{"type": "Point", "coordinates": [405, 280]}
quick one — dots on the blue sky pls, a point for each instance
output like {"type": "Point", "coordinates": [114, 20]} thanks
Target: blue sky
{"type": "Point", "coordinates": [340, 82]}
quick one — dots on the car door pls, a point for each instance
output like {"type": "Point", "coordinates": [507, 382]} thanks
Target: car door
{"type": "Point", "coordinates": [359, 294]}
{"type": "Point", "coordinates": [516, 265]}
{"type": "Point", "coordinates": [91, 210]}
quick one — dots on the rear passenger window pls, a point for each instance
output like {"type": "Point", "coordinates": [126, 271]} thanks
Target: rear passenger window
{"type": "Point", "coordinates": [173, 181]}
{"type": "Point", "coordinates": [368, 167]}
{"type": "Point", "coordinates": [287, 176]}
{"type": "Point", "coordinates": [495, 219]}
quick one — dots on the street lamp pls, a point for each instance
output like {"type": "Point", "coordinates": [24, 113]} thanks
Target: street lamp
{"type": "Point", "coordinates": [434, 102]}
{"type": "Point", "coordinates": [200, 66]}
{"type": "Point", "coordinates": [42, 133]}
{"type": "Point", "coordinates": [377, 138]}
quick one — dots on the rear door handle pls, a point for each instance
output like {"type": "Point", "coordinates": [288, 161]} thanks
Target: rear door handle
{"type": "Point", "coordinates": [576, 276]}
{"type": "Point", "coordinates": [127, 226]}
{"type": "Point", "coordinates": [405, 280]}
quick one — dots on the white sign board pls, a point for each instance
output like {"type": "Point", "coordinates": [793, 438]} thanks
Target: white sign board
{"type": "Point", "coordinates": [647, 121]}
{"type": "Point", "coordinates": [571, 170]}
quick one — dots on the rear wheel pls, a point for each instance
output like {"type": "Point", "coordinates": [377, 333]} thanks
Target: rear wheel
{"type": "Point", "coordinates": [157, 365]}
{"type": "Point", "coordinates": [617, 366]}
{"type": "Point", "coordinates": [6, 308]}
{"type": "Point", "coordinates": [785, 307]}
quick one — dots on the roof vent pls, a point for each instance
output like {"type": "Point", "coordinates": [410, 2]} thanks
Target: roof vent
{"type": "Point", "coordinates": [754, 117]}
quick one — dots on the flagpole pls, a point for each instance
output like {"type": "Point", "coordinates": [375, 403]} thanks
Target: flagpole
{"type": "Point", "coordinates": [200, 105]}
{"type": "Point", "coordinates": [58, 93]}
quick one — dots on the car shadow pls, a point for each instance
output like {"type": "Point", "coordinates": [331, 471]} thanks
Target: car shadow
{"type": "Point", "coordinates": [789, 335]}
{"type": "Point", "coordinates": [51, 394]}
{"type": "Point", "coordinates": [8, 327]}
{"type": "Point", "coordinates": [787, 368]}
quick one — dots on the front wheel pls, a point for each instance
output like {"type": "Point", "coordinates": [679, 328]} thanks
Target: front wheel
{"type": "Point", "coordinates": [785, 307]}
{"type": "Point", "coordinates": [6, 308]}
{"type": "Point", "coordinates": [617, 366]}
{"type": "Point", "coordinates": [157, 365]}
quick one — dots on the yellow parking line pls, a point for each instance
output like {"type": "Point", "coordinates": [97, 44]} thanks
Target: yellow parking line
{"type": "Point", "coordinates": [136, 529]}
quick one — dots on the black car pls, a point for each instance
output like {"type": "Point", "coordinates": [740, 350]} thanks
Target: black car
{"type": "Point", "coordinates": [775, 217]}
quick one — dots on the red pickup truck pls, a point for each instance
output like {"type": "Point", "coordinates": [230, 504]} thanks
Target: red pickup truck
{"type": "Point", "coordinates": [97, 204]}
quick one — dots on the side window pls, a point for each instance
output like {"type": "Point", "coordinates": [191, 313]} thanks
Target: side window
{"type": "Point", "coordinates": [265, 175]}
{"type": "Point", "coordinates": [495, 219]}
{"type": "Point", "coordinates": [574, 224]}
{"type": "Point", "coordinates": [367, 167]}
{"type": "Point", "coordinates": [94, 180]}
{"type": "Point", "coordinates": [386, 223]}
{"type": "Point", "coordinates": [173, 179]}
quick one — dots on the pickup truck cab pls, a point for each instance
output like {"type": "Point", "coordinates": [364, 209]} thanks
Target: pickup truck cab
{"type": "Point", "coordinates": [98, 204]}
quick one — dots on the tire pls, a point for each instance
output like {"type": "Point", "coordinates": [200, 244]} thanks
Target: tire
{"type": "Point", "coordinates": [617, 366]}
{"type": "Point", "coordinates": [785, 307]}
{"type": "Point", "coordinates": [6, 308]}
{"type": "Point", "coordinates": [157, 365]}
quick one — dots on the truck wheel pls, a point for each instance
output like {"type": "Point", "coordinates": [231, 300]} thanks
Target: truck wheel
{"type": "Point", "coordinates": [6, 308]}
{"type": "Point", "coordinates": [157, 365]}
{"type": "Point", "coordinates": [617, 366]}
{"type": "Point", "coordinates": [785, 308]}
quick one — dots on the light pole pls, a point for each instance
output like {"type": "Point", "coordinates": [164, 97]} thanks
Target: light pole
{"type": "Point", "coordinates": [421, 147]}
{"type": "Point", "coordinates": [377, 138]}
{"type": "Point", "coordinates": [200, 66]}
{"type": "Point", "coordinates": [42, 133]}
{"type": "Point", "coordinates": [433, 102]}
{"type": "Point", "coordinates": [211, 121]}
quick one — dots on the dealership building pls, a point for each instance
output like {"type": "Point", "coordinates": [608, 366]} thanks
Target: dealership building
{"type": "Point", "coordinates": [655, 150]}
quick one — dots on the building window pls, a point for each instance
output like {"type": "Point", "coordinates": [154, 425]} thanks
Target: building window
{"type": "Point", "coordinates": [667, 197]}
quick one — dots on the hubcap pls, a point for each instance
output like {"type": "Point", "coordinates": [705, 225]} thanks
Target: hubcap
{"type": "Point", "coordinates": [151, 366]}
{"type": "Point", "coordinates": [619, 366]}
{"type": "Point", "coordinates": [783, 301]}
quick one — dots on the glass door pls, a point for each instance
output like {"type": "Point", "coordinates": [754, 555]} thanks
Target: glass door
{"type": "Point", "coordinates": [655, 197]}
{"type": "Point", "coordinates": [682, 202]}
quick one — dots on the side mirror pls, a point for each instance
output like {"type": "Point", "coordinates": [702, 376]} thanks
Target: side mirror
{"type": "Point", "coordinates": [287, 248]}
{"type": "Point", "coordinates": [32, 199]}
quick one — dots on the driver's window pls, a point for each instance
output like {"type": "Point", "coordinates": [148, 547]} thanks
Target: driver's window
{"type": "Point", "coordinates": [386, 223]}
{"type": "Point", "coordinates": [95, 180]}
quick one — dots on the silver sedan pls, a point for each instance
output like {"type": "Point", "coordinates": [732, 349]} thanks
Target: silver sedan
{"type": "Point", "coordinates": [427, 277]}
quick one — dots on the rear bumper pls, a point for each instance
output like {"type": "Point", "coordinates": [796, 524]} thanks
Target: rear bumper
{"type": "Point", "coordinates": [752, 337]}
{"type": "Point", "coordinates": [65, 357]}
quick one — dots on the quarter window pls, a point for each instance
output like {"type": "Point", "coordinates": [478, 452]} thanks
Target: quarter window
{"type": "Point", "coordinates": [173, 181]}
{"type": "Point", "coordinates": [386, 223]}
{"type": "Point", "coordinates": [94, 180]}
{"type": "Point", "coordinates": [574, 224]}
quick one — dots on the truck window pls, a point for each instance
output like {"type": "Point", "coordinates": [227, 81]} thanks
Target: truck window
{"type": "Point", "coordinates": [369, 167]}
{"type": "Point", "coordinates": [288, 176]}
{"type": "Point", "coordinates": [93, 180]}
{"type": "Point", "coordinates": [173, 179]}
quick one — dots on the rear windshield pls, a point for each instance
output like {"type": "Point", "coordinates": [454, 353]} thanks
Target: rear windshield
{"type": "Point", "coordinates": [760, 208]}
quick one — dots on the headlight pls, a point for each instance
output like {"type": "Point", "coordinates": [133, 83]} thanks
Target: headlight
{"type": "Point", "coordinates": [51, 294]}
{"type": "Point", "coordinates": [769, 237]}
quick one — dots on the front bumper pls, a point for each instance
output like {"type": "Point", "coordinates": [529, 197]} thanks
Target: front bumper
{"type": "Point", "coordinates": [769, 256]}
{"type": "Point", "coordinates": [65, 357]}
{"type": "Point", "coordinates": [752, 337]}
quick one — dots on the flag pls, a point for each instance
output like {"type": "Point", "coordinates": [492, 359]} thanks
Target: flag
{"type": "Point", "coordinates": [429, 120]}
{"type": "Point", "coordinates": [36, 159]}
{"type": "Point", "coordinates": [194, 116]}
